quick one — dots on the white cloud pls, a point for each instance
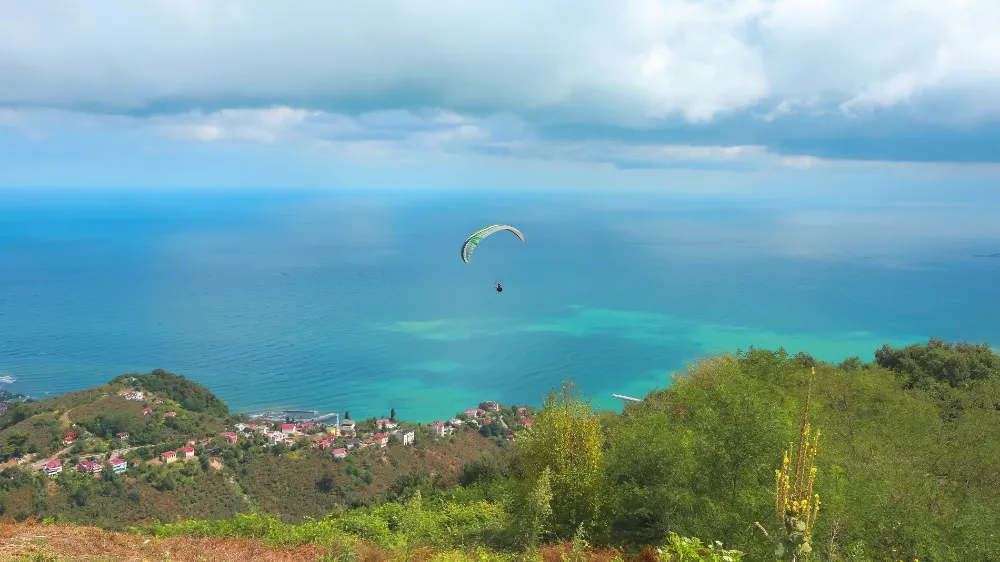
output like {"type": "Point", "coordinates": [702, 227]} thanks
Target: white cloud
{"type": "Point", "coordinates": [631, 62]}
{"type": "Point", "coordinates": [258, 125]}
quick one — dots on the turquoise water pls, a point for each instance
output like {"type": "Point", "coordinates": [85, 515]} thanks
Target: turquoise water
{"type": "Point", "coordinates": [335, 301]}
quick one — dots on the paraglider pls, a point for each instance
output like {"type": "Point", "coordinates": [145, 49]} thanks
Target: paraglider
{"type": "Point", "coordinates": [478, 236]}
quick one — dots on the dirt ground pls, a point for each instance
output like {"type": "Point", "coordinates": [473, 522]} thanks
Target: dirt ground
{"type": "Point", "coordinates": [87, 543]}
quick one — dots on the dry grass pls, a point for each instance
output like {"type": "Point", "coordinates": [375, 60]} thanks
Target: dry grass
{"type": "Point", "coordinates": [91, 544]}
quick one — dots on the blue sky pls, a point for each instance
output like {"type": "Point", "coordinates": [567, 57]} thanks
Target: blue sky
{"type": "Point", "coordinates": [563, 95]}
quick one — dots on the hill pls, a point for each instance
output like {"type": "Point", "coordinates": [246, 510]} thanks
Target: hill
{"type": "Point", "coordinates": [902, 450]}
{"type": "Point", "coordinates": [90, 420]}
{"type": "Point", "coordinates": [153, 420]}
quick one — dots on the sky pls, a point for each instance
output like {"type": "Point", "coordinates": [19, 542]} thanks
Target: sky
{"type": "Point", "coordinates": [643, 94]}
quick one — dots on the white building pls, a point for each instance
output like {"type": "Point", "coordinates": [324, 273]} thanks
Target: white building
{"type": "Point", "coordinates": [276, 437]}
{"type": "Point", "coordinates": [52, 468]}
{"type": "Point", "coordinates": [347, 427]}
{"type": "Point", "coordinates": [405, 436]}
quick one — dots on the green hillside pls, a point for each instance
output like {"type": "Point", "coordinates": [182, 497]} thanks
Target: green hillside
{"type": "Point", "coordinates": [906, 468]}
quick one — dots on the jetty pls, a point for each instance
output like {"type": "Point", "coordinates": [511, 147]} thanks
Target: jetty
{"type": "Point", "coordinates": [296, 415]}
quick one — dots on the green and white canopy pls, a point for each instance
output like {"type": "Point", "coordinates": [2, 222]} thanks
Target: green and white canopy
{"type": "Point", "coordinates": [478, 236]}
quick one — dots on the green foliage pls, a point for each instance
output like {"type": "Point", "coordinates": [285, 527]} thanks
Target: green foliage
{"type": "Point", "coordinates": [567, 439]}
{"type": "Point", "coordinates": [684, 549]}
{"type": "Point", "coordinates": [957, 365]}
{"type": "Point", "coordinates": [189, 394]}
{"type": "Point", "coordinates": [536, 511]}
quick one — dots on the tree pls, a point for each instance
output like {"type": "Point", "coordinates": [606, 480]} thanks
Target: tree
{"type": "Point", "coordinates": [568, 440]}
{"type": "Point", "coordinates": [15, 445]}
{"type": "Point", "coordinates": [347, 414]}
{"type": "Point", "coordinates": [537, 511]}
{"type": "Point", "coordinates": [392, 414]}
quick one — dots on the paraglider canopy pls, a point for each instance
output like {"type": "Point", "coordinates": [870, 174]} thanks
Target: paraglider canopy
{"type": "Point", "coordinates": [478, 236]}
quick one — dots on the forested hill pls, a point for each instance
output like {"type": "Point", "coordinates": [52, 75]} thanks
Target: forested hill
{"type": "Point", "coordinates": [189, 394]}
{"type": "Point", "coordinates": [905, 450]}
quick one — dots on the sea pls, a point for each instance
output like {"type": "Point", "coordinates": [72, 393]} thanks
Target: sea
{"type": "Point", "coordinates": [360, 301]}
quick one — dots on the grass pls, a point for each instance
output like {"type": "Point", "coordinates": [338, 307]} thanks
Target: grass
{"type": "Point", "coordinates": [34, 542]}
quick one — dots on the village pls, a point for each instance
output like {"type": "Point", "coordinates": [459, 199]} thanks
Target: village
{"type": "Point", "coordinates": [338, 439]}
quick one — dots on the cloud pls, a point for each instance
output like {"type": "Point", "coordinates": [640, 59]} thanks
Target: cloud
{"type": "Point", "coordinates": [637, 85]}
{"type": "Point", "coordinates": [638, 63]}
{"type": "Point", "coordinates": [397, 134]}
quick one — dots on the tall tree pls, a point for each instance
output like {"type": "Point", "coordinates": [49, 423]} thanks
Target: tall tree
{"type": "Point", "coordinates": [568, 440]}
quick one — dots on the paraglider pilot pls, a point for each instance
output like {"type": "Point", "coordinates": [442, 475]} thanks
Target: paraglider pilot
{"type": "Point", "coordinates": [500, 286]}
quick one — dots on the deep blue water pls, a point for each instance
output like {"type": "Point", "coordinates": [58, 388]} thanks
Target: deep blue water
{"type": "Point", "coordinates": [341, 300]}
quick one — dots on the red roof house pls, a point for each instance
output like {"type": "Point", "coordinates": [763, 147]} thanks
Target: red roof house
{"type": "Point", "coordinates": [146, 411]}
{"type": "Point", "coordinates": [187, 451]}
{"type": "Point", "coordinates": [52, 468]}
{"type": "Point", "coordinates": [89, 466]}
{"type": "Point", "coordinates": [170, 414]}
{"type": "Point", "coordinates": [231, 437]}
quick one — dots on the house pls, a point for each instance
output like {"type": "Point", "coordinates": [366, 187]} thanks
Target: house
{"type": "Point", "coordinates": [69, 438]}
{"type": "Point", "coordinates": [277, 437]}
{"type": "Point", "coordinates": [438, 428]}
{"type": "Point", "coordinates": [304, 427]}
{"type": "Point", "coordinates": [324, 444]}
{"type": "Point", "coordinates": [288, 428]}
{"type": "Point", "coordinates": [510, 437]}
{"type": "Point", "coordinates": [249, 428]}
{"type": "Point", "coordinates": [123, 435]}
{"type": "Point", "coordinates": [187, 451]}
{"type": "Point", "coordinates": [381, 439]}
{"type": "Point", "coordinates": [158, 401]}
{"type": "Point", "coordinates": [134, 395]}
{"type": "Point", "coordinates": [526, 421]}
{"type": "Point", "coordinates": [347, 427]}
{"type": "Point", "coordinates": [230, 437]}
{"type": "Point", "coordinates": [480, 412]}
{"type": "Point", "coordinates": [52, 468]}
{"type": "Point", "coordinates": [455, 421]}
{"type": "Point", "coordinates": [522, 411]}
{"type": "Point", "coordinates": [146, 411]}
{"type": "Point", "coordinates": [386, 423]}
{"type": "Point", "coordinates": [118, 465]}
{"type": "Point", "coordinates": [470, 412]}
{"type": "Point", "coordinates": [332, 430]}
{"type": "Point", "coordinates": [170, 414]}
{"type": "Point", "coordinates": [490, 405]}
{"type": "Point", "coordinates": [405, 436]}
{"type": "Point", "coordinates": [352, 442]}
{"type": "Point", "coordinates": [168, 456]}
{"type": "Point", "coordinates": [90, 467]}
{"type": "Point", "coordinates": [339, 453]}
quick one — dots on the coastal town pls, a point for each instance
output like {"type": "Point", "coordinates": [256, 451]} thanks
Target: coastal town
{"type": "Point", "coordinates": [87, 453]}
